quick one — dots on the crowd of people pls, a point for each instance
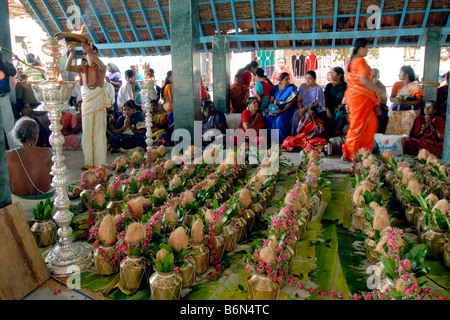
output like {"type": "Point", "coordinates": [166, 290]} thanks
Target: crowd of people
{"type": "Point", "coordinates": [108, 114]}
{"type": "Point", "coordinates": [345, 115]}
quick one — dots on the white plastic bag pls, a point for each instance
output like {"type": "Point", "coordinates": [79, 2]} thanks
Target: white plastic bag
{"type": "Point", "coordinates": [393, 143]}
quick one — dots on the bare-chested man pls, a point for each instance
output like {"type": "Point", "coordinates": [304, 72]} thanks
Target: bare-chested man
{"type": "Point", "coordinates": [29, 166]}
{"type": "Point", "coordinates": [94, 105]}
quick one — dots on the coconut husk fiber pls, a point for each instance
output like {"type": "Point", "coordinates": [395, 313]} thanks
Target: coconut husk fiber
{"type": "Point", "coordinates": [160, 255]}
{"type": "Point", "coordinates": [442, 205]}
{"type": "Point", "coordinates": [414, 187]}
{"type": "Point", "coordinates": [423, 154]}
{"type": "Point", "coordinates": [160, 191]}
{"type": "Point", "coordinates": [382, 219]}
{"type": "Point", "coordinates": [176, 181]}
{"type": "Point", "coordinates": [178, 239]}
{"type": "Point", "coordinates": [161, 150]}
{"type": "Point", "coordinates": [107, 230]}
{"type": "Point", "coordinates": [245, 198]}
{"type": "Point", "coordinates": [100, 199]}
{"type": "Point", "coordinates": [432, 198]}
{"type": "Point", "coordinates": [267, 255]}
{"type": "Point", "coordinates": [197, 231]}
{"type": "Point", "coordinates": [314, 170]}
{"type": "Point", "coordinates": [136, 231]}
{"type": "Point", "coordinates": [170, 215]}
{"type": "Point", "coordinates": [137, 207]}
{"type": "Point", "coordinates": [188, 197]}
{"type": "Point", "coordinates": [168, 164]}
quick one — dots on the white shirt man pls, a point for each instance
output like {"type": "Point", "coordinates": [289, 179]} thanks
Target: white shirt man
{"type": "Point", "coordinates": [110, 92]}
{"type": "Point", "coordinates": [126, 91]}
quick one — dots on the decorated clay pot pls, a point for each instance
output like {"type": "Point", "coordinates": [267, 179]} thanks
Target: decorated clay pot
{"type": "Point", "coordinates": [447, 254]}
{"type": "Point", "coordinates": [99, 215]}
{"type": "Point", "coordinates": [187, 271]}
{"type": "Point", "coordinates": [133, 272]}
{"type": "Point", "coordinates": [241, 226]}
{"type": "Point", "coordinates": [130, 196]}
{"type": "Point", "coordinates": [302, 224]}
{"type": "Point", "coordinates": [249, 217]}
{"type": "Point", "coordinates": [102, 261]}
{"type": "Point", "coordinates": [358, 219]}
{"type": "Point", "coordinates": [370, 245]}
{"type": "Point", "coordinates": [201, 257]}
{"type": "Point", "coordinates": [146, 191]}
{"type": "Point", "coordinates": [165, 286]}
{"type": "Point", "coordinates": [410, 213]}
{"type": "Point", "coordinates": [419, 221]}
{"type": "Point", "coordinates": [230, 236]}
{"type": "Point", "coordinates": [435, 241]}
{"type": "Point", "coordinates": [84, 196]}
{"type": "Point", "coordinates": [261, 287]}
{"type": "Point", "coordinates": [44, 232]}
{"type": "Point", "coordinates": [114, 207]}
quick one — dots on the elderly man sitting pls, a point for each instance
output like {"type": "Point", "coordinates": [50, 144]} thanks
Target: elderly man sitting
{"type": "Point", "coordinates": [29, 166]}
{"type": "Point", "coordinates": [427, 133]}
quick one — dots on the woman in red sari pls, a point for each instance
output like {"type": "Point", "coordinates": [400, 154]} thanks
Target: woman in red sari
{"type": "Point", "coordinates": [362, 101]}
{"type": "Point", "coordinates": [309, 130]}
{"type": "Point", "coordinates": [428, 132]}
{"type": "Point", "coordinates": [251, 118]}
{"type": "Point", "coordinates": [240, 89]}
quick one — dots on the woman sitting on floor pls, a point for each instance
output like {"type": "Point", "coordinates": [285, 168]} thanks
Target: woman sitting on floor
{"type": "Point", "coordinates": [251, 118]}
{"type": "Point", "coordinates": [427, 133]}
{"type": "Point", "coordinates": [160, 120]}
{"type": "Point", "coordinates": [309, 94]}
{"type": "Point", "coordinates": [129, 132]}
{"type": "Point", "coordinates": [213, 120]}
{"type": "Point", "coordinates": [29, 166]}
{"type": "Point", "coordinates": [309, 133]}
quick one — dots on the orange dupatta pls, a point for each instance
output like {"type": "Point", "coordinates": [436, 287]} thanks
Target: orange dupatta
{"type": "Point", "coordinates": [361, 102]}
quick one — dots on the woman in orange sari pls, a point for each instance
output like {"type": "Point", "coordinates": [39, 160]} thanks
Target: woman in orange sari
{"type": "Point", "coordinates": [362, 101]}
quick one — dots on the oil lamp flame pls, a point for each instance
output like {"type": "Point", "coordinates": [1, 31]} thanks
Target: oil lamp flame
{"type": "Point", "coordinates": [78, 31]}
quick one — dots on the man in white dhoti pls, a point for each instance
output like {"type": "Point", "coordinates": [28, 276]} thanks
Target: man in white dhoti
{"type": "Point", "coordinates": [94, 105]}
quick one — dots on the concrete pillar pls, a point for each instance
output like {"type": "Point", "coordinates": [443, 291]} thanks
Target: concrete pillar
{"type": "Point", "coordinates": [446, 154]}
{"type": "Point", "coordinates": [185, 46]}
{"type": "Point", "coordinates": [431, 63]}
{"type": "Point", "coordinates": [221, 55]}
{"type": "Point", "coordinates": [5, 41]}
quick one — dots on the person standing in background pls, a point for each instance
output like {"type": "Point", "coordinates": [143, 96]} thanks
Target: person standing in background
{"type": "Point", "coordinates": [382, 112]}
{"type": "Point", "coordinates": [361, 98]}
{"type": "Point", "coordinates": [240, 89]}
{"type": "Point", "coordinates": [24, 92]}
{"type": "Point", "coordinates": [137, 89]}
{"type": "Point", "coordinates": [7, 70]}
{"type": "Point", "coordinates": [444, 65]}
{"type": "Point", "coordinates": [127, 90]}
{"type": "Point", "coordinates": [110, 92]}
{"type": "Point", "coordinates": [115, 78]}
{"type": "Point", "coordinates": [94, 105]}
{"type": "Point", "coordinates": [35, 73]}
